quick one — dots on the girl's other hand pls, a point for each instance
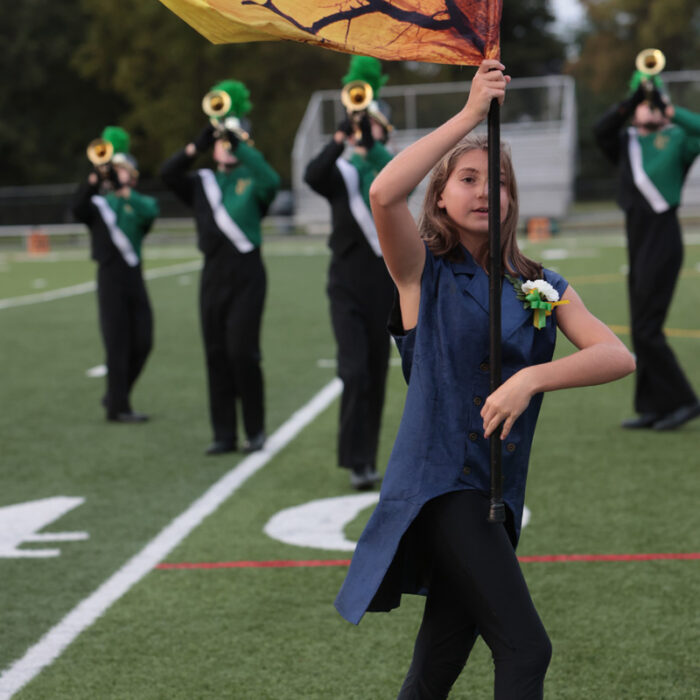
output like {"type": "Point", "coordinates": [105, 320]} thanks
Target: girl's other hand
{"type": "Point", "coordinates": [507, 403]}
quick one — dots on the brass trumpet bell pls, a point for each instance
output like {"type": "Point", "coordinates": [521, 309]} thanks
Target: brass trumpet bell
{"type": "Point", "coordinates": [216, 104]}
{"type": "Point", "coordinates": [356, 95]}
{"type": "Point", "coordinates": [100, 152]}
{"type": "Point", "coordinates": [650, 61]}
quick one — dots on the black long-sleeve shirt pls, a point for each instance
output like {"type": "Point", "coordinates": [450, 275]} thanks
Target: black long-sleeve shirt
{"type": "Point", "coordinates": [324, 176]}
{"type": "Point", "coordinates": [250, 188]}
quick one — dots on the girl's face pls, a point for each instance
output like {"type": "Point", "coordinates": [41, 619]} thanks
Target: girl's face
{"type": "Point", "coordinates": [465, 197]}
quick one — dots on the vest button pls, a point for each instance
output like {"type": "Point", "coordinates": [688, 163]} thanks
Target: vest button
{"type": "Point", "coordinates": [478, 401]}
{"type": "Point", "coordinates": [510, 447]}
{"type": "Point", "coordinates": [473, 436]}
{"type": "Point", "coordinates": [484, 366]}
{"type": "Point", "coordinates": [466, 471]}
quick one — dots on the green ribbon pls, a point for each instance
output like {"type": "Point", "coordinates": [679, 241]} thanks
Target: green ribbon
{"type": "Point", "coordinates": [535, 303]}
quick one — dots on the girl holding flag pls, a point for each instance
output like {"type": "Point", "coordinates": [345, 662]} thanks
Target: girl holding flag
{"type": "Point", "coordinates": [429, 533]}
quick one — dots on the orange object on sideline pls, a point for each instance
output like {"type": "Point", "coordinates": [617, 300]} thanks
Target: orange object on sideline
{"type": "Point", "coordinates": [38, 242]}
{"type": "Point", "coordinates": [539, 229]}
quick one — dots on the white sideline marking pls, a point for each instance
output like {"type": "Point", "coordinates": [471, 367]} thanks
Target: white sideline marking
{"type": "Point", "coordinates": [86, 287]}
{"type": "Point", "coordinates": [55, 641]}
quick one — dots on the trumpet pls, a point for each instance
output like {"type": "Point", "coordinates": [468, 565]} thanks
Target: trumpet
{"type": "Point", "coordinates": [216, 105]}
{"type": "Point", "coordinates": [100, 152]}
{"type": "Point", "coordinates": [650, 62]}
{"type": "Point", "coordinates": [356, 96]}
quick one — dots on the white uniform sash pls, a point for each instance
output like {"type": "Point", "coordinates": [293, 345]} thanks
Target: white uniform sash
{"type": "Point", "coordinates": [358, 208]}
{"type": "Point", "coordinates": [644, 184]}
{"type": "Point", "coordinates": [119, 238]}
{"type": "Point", "coordinates": [223, 220]}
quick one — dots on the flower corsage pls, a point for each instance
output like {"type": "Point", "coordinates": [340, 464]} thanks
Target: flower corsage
{"type": "Point", "coordinates": [539, 296]}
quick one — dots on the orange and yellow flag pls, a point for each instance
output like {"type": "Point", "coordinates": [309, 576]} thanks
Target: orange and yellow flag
{"type": "Point", "coordinates": [432, 31]}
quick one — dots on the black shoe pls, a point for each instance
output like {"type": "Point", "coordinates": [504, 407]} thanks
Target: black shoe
{"type": "Point", "coordinates": [220, 447]}
{"type": "Point", "coordinates": [676, 418]}
{"type": "Point", "coordinates": [128, 417]}
{"type": "Point", "coordinates": [364, 477]}
{"type": "Point", "coordinates": [255, 443]}
{"type": "Point", "coordinates": [645, 420]}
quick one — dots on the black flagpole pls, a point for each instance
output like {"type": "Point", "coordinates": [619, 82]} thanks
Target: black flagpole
{"type": "Point", "coordinates": [497, 512]}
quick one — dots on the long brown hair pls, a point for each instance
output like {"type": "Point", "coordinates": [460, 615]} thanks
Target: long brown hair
{"type": "Point", "coordinates": [440, 232]}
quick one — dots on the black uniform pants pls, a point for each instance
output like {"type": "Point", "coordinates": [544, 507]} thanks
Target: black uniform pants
{"type": "Point", "coordinates": [126, 323]}
{"type": "Point", "coordinates": [476, 587]}
{"type": "Point", "coordinates": [361, 293]}
{"type": "Point", "coordinates": [232, 297]}
{"type": "Point", "coordinates": [655, 251]}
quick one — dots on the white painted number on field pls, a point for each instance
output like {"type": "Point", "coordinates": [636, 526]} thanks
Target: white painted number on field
{"type": "Point", "coordinates": [321, 524]}
{"type": "Point", "coordinates": [21, 523]}
{"type": "Point", "coordinates": [97, 371]}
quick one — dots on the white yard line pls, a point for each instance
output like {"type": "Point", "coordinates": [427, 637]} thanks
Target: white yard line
{"type": "Point", "coordinates": [87, 287]}
{"type": "Point", "coordinates": [55, 641]}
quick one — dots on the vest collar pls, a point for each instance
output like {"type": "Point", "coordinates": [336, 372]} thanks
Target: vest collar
{"type": "Point", "coordinates": [476, 285]}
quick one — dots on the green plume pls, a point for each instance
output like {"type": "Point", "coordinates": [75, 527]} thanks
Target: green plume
{"type": "Point", "coordinates": [240, 97]}
{"type": "Point", "coordinates": [368, 69]}
{"type": "Point", "coordinates": [118, 138]}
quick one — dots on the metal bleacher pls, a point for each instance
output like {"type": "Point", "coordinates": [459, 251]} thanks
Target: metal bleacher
{"type": "Point", "coordinates": [538, 121]}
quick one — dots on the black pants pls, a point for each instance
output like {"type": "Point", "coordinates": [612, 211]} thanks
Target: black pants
{"type": "Point", "coordinates": [232, 297]}
{"type": "Point", "coordinates": [476, 588]}
{"type": "Point", "coordinates": [655, 251]}
{"type": "Point", "coordinates": [126, 323]}
{"type": "Point", "coordinates": [360, 293]}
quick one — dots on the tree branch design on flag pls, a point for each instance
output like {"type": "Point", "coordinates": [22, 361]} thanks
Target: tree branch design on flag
{"type": "Point", "coordinates": [438, 31]}
{"type": "Point", "coordinates": [451, 17]}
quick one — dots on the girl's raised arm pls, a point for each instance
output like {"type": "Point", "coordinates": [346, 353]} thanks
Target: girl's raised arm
{"type": "Point", "coordinates": [403, 250]}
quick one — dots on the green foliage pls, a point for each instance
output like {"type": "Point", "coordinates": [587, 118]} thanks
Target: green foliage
{"type": "Point", "coordinates": [138, 65]}
{"type": "Point", "coordinates": [616, 31]}
{"type": "Point", "coordinates": [49, 111]}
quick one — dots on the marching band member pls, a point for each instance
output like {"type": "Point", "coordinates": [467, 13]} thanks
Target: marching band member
{"type": "Point", "coordinates": [229, 204]}
{"type": "Point", "coordinates": [654, 156]}
{"type": "Point", "coordinates": [359, 287]}
{"type": "Point", "coordinates": [118, 218]}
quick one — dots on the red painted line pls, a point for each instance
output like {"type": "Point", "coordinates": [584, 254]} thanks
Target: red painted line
{"type": "Point", "coordinates": [610, 557]}
{"type": "Point", "coordinates": [254, 564]}
{"type": "Point", "coordinates": [346, 562]}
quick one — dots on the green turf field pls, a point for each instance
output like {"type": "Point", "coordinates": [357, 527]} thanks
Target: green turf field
{"type": "Point", "coordinates": [620, 629]}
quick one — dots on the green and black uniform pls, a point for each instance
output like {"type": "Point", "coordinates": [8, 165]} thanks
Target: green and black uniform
{"type": "Point", "coordinates": [228, 209]}
{"type": "Point", "coordinates": [652, 170]}
{"type": "Point", "coordinates": [360, 291]}
{"type": "Point", "coordinates": [117, 227]}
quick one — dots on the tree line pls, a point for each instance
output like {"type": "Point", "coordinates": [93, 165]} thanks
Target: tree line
{"type": "Point", "coordinates": [71, 68]}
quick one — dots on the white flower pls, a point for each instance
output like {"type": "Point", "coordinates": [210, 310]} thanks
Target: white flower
{"type": "Point", "coordinates": [544, 288]}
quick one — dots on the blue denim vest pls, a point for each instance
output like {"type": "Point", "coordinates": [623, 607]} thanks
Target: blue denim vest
{"type": "Point", "coordinates": [440, 446]}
